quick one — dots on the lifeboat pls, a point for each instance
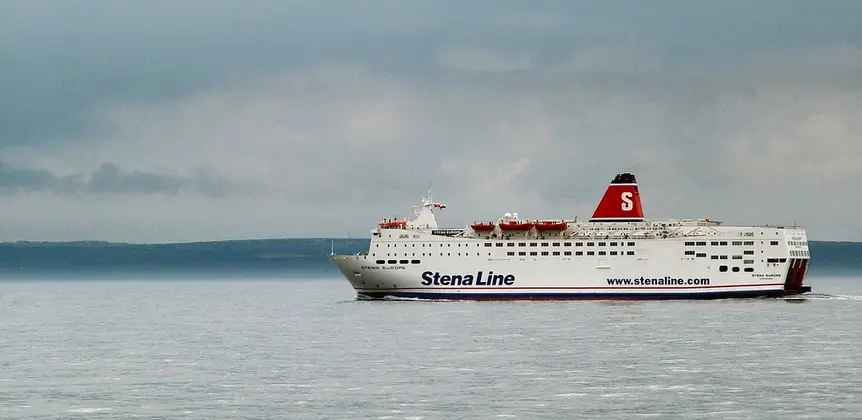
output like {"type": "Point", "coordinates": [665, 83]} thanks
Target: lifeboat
{"type": "Point", "coordinates": [394, 224]}
{"type": "Point", "coordinates": [547, 225]}
{"type": "Point", "coordinates": [516, 225]}
{"type": "Point", "coordinates": [482, 227]}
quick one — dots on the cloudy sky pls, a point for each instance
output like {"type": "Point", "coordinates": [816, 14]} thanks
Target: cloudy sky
{"type": "Point", "coordinates": [199, 120]}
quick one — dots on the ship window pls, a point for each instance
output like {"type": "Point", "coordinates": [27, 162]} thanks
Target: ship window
{"type": "Point", "coordinates": [701, 255]}
{"type": "Point", "coordinates": [772, 260]}
{"type": "Point", "coordinates": [613, 244]}
{"type": "Point", "coordinates": [544, 253]}
{"type": "Point", "coordinates": [737, 257]}
{"type": "Point", "coordinates": [703, 243]}
{"type": "Point", "coordinates": [567, 253]}
{"type": "Point", "coordinates": [749, 270]}
{"type": "Point", "coordinates": [510, 253]}
{"type": "Point", "coordinates": [567, 244]}
{"type": "Point", "coordinates": [783, 260]}
{"type": "Point", "coordinates": [510, 244]}
{"type": "Point", "coordinates": [579, 253]}
{"type": "Point", "coordinates": [713, 257]}
{"type": "Point", "coordinates": [714, 243]}
{"type": "Point", "coordinates": [533, 253]}
{"type": "Point", "coordinates": [602, 243]}
{"type": "Point", "coordinates": [748, 252]}
{"type": "Point", "coordinates": [630, 253]}
{"type": "Point", "coordinates": [532, 244]}
{"type": "Point", "coordinates": [591, 244]}
{"type": "Point", "coordinates": [392, 262]}
{"type": "Point", "coordinates": [591, 253]}
{"type": "Point", "coordinates": [737, 243]}
{"type": "Point", "coordinates": [773, 243]}
{"type": "Point", "coordinates": [544, 244]}
{"type": "Point", "coordinates": [522, 244]}
{"type": "Point", "coordinates": [722, 257]}
{"type": "Point", "coordinates": [613, 252]}
{"type": "Point", "coordinates": [735, 269]}
{"type": "Point", "coordinates": [631, 244]}
{"type": "Point", "coordinates": [579, 244]}
{"type": "Point", "coordinates": [556, 253]}
{"type": "Point", "coordinates": [602, 252]}
{"type": "Point", "coordinates": [722, 268]}
{"type": "Point", "coordinates": [689, 243]}
{"type": "Point", "coordinates": [414, 261]}
{"type": "Point", "coordinates": [522, 253]}
{"type": "Point", "coordinates": [689, 252]}
{"type": "Point", "coordinates": [380, 262]}
{"type": "Point", "coordinates": [748, 243]}
{"type": "Point", "coordinates": [487, 244]}
{"type": "Point", "coordinates": [555, 244]}
{"type": "Point", "coordinates": [499, 244]}
{"type": "Point", "coordinates": [748, 262]}
{"type": "Point", "coordinates": [723, 243]}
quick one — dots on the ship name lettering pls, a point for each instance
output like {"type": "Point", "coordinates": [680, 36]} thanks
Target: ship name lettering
{"type": "Point", "coordinates": [480, 279]}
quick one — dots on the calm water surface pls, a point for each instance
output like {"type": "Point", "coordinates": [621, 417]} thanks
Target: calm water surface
{"type": "Point", "coordinates": [308, 350]}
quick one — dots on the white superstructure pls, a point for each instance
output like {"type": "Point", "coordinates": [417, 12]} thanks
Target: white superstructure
{"type": "Point", "coordinates": [617, 254]}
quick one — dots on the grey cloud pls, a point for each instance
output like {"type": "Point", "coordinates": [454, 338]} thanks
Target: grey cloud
{"type": "Point", "coordinates": [109, 179]}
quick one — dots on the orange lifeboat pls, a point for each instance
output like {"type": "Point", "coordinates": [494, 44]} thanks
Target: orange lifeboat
{"type": "Point", "coordinates": [482, 227]}
{"type": "Point", "coordinates": [547, 225]}
{"type": "Point", "coordinates": [516, 225]}
{"type": "Point", "coordinates": [393, 224]}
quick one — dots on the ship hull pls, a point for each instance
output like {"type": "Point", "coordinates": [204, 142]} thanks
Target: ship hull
{"type": "Point", "coordinates": [556, 280]}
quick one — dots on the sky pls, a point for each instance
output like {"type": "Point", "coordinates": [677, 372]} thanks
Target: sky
{"type": "Point", "coordinates": [165, 121]}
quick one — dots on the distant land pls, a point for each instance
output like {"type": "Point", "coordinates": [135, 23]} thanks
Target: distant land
{"type": "Point", "coordinates": [256, 258]}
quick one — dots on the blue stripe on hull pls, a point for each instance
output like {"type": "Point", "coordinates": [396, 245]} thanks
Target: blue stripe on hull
{"type": "Point", "coordinates": [575, 296]}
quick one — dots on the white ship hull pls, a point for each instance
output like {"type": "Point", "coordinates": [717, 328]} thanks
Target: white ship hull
{"type": "Point", "coordinates": [659, 269]}
{"type": "Point", "coordinates": [607, 258]}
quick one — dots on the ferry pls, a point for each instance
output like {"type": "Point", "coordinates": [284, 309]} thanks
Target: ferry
{"type": "Point", "coordinates": [615, 254]}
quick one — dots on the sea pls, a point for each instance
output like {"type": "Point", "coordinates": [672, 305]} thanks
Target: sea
{"type": "Point", "coordinates": [269, 329]}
